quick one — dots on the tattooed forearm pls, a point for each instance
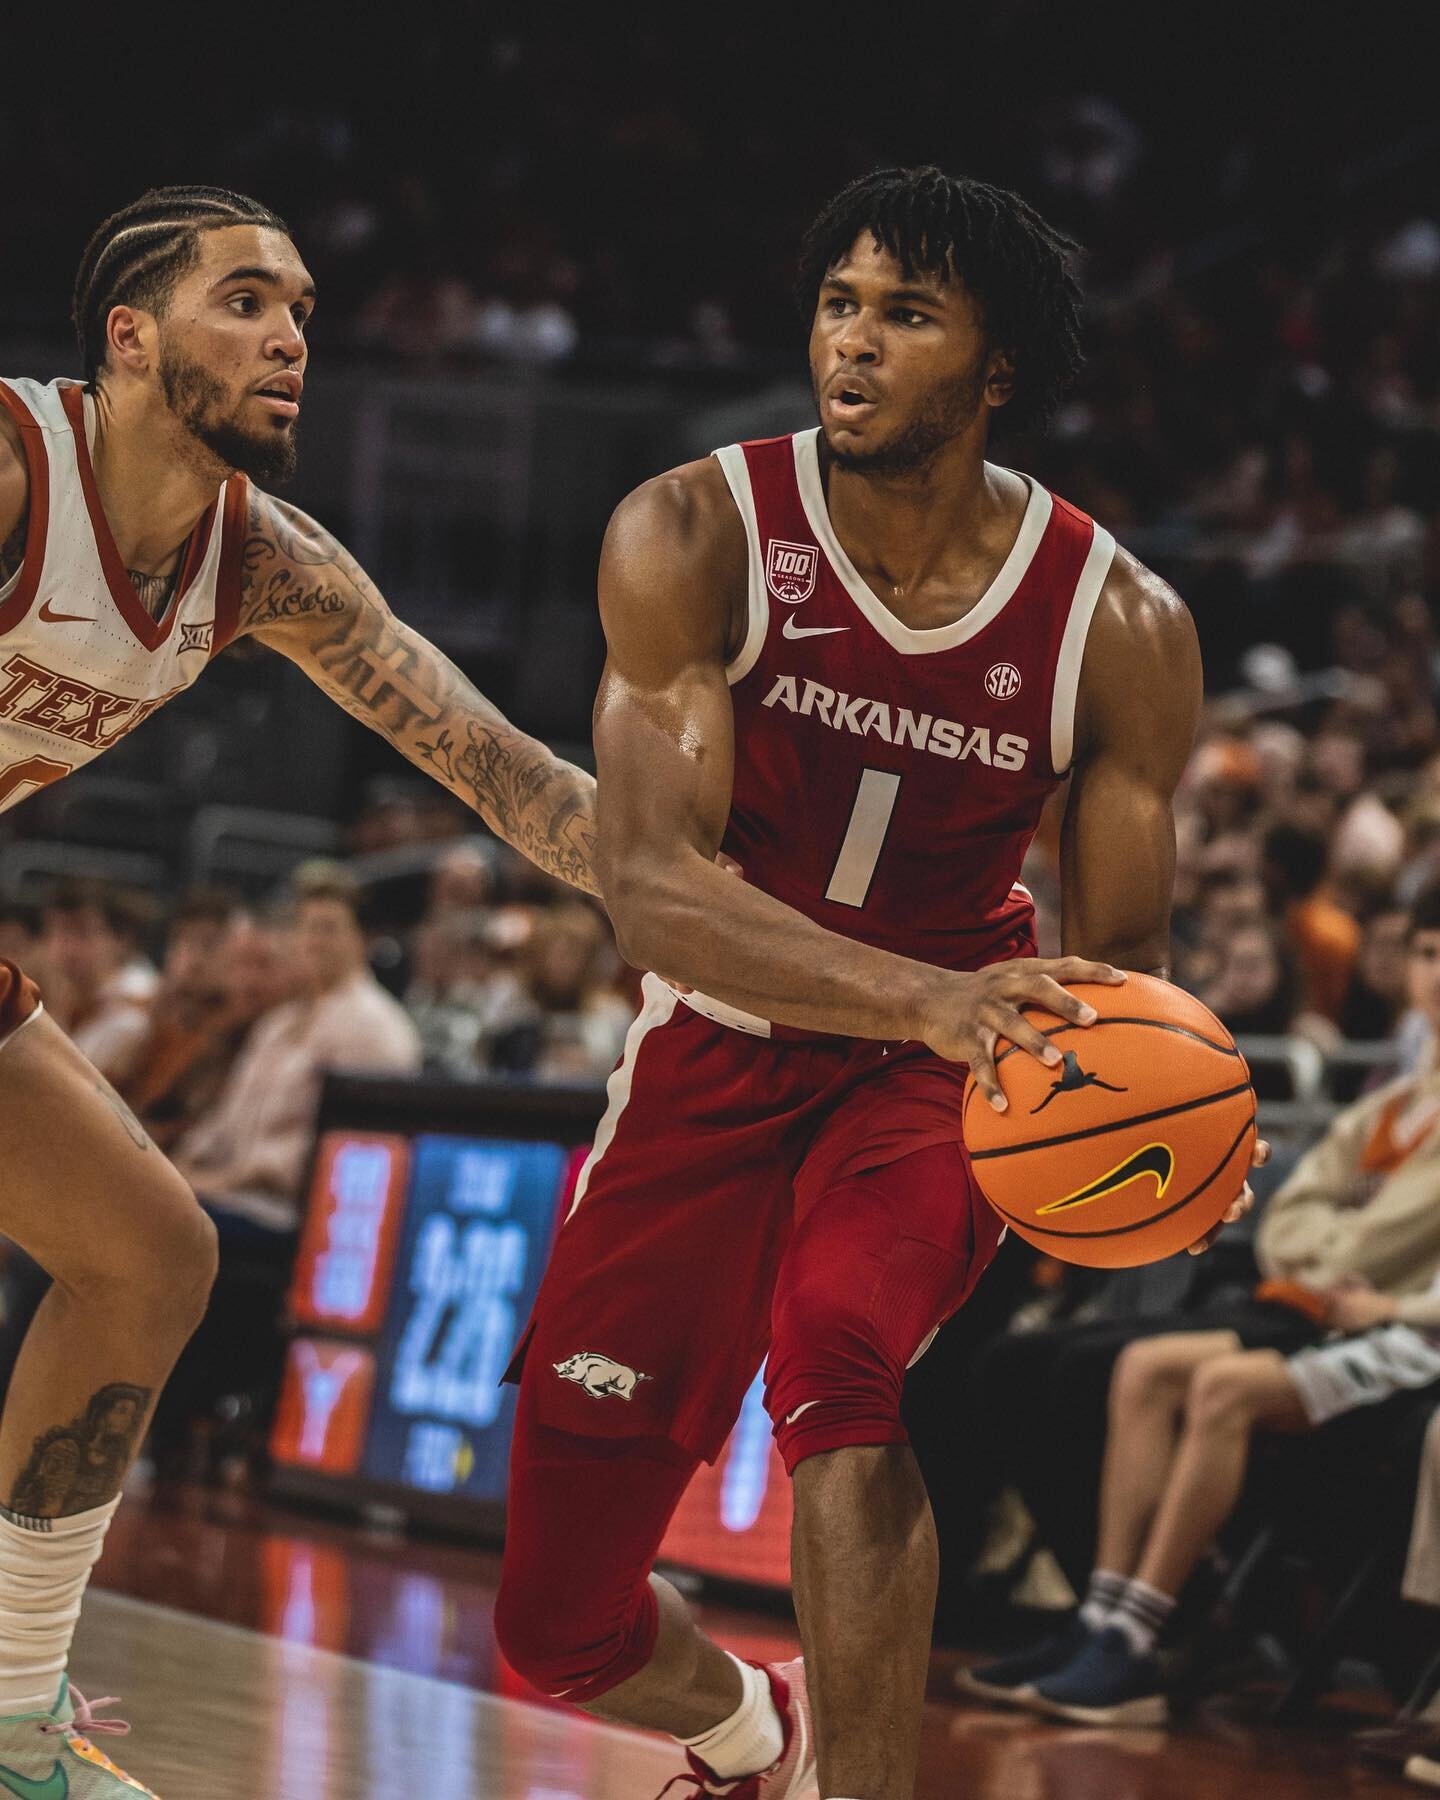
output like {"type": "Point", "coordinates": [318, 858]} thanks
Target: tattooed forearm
{"type": "Point", "coordinates": [305, 595]}
{"type": "Point", "coordinates": [80, 1465]}
{"type": "Point", "coordinates": [438, 754]}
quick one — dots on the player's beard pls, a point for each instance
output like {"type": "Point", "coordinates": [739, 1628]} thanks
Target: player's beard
{"type": "Point", "coordinates": [948, 411]}
{"type": "Point", "coordinates": [197, 399]}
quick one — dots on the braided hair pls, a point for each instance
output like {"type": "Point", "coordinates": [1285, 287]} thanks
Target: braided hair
{"type": "Point", "coordinates": [139, 253]}
{"type": "Point", "coordinates": [1017, 268]}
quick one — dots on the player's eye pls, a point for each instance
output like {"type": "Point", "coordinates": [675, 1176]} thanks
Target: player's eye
{"type": "Point", "coordinates": [907, 315]}
{"type": "Point", "coordinates": [836, 305]}
{"type": "Point", "coordinates": [301, 315]}
{"type": "Point", "coordinates": [243, 303]}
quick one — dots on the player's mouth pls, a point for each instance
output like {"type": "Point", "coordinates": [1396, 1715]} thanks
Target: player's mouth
{"type": "Point", "coordinates": [849, 400]}
{"type": "Point", "coordinates": [281, 395]}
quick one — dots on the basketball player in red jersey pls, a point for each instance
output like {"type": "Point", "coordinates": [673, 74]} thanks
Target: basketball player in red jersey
{"type": "Point", "coordinates": [856, 660]}
{"type": "Point", "coordinates": [132, 547]}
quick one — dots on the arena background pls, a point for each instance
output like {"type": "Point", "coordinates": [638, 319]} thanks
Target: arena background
{"type": "Point", "coordinates": [554, 253]}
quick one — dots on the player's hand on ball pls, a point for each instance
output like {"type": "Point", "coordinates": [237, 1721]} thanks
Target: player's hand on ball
{"type": "Point", "coordinates": [965, 1026]}
{"type": "Point", "coordinates": [1243, 1202]}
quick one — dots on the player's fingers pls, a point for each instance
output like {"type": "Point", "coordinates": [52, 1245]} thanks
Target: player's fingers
{"type": "Point", "coordinates": [1023, 1035]}
{"type": "Point", "coordinates": [1068, 969]}
{"type": "Point", "coordinates": [1046, 992]}
{"type": "Point", "coordinates": [1243, 1203]}
{"type": "Point", "coordinates": [1260, 1155]}
{"type": "Point", "coordinates": [982, 1067]}
{"type": "Point", "coordinates": [728, 864]}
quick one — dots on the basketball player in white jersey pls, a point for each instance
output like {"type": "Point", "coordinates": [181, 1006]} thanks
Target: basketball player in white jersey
{"type": "Point", "coordinates": [132, 548]}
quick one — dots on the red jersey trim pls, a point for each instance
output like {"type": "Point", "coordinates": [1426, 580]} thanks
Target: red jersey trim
{"type": "Point", "coordinates": [232, 551]}
{"type": "Point", "coordinates": [37, 462]}
{"type": "Point", "coordinates": [150, 633]}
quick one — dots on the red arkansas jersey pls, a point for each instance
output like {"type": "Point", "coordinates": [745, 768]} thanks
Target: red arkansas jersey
{"type": "Point", "coordinates": [888, 781]}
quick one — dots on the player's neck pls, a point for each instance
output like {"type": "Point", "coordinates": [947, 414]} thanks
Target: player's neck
{"type": "Point", "coordinates": [907, 529]}
{"type": "Point", "coordinates": [153, 482]}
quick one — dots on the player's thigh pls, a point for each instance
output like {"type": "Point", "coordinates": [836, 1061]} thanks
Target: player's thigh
{"type": "Point", "coordinates": [82, 1188]}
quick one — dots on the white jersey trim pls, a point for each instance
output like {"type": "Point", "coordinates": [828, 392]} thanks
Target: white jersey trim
{"type": "Point", "coordinates": [903, 637]}
{"type": "Point", "coordinates": [659, 1003]}
{"type": "Point", "coordinates": [737, 475]}
{"type": "Point", "coordinates": [1072, 648]}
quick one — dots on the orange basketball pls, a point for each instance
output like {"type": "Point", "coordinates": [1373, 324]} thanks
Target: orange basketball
{"type": "Point", "coordinates": [1131, 1149]}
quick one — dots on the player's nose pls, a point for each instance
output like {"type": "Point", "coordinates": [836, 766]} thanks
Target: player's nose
{"type": "Point", "coordinates": [858, 342]}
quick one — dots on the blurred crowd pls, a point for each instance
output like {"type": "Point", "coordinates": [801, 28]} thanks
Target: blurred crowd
{"type": "Point", "coordinates": [217, 1020]}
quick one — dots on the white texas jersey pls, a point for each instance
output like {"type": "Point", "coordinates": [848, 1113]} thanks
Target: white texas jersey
{"type": "Point", "coordinates": [81, 661]}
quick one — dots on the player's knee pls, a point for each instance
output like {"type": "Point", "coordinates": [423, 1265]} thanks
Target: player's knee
{"type": "Point", "coordinates": [545, 1635]}
{"type": "Point", "coordinates": [162, 1260]}
{"type": "Point", "coordinates": [831, 1384]}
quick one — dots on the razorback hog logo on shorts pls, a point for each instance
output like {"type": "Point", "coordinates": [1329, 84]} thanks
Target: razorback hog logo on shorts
{"type": "Point", "coordinates": [600, 1376]}
{"type": "Point", "coordinates": [790, 570]}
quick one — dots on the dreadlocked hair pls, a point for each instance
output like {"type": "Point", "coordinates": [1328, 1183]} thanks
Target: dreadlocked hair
{"type": "Point", "coordinates": [1017, 268]}
{"type": "Point", "coordinates": [140, 252]}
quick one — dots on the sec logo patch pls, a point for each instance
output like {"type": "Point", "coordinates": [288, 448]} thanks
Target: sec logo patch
{"type": "Point", "coordinates": [1002, 681]}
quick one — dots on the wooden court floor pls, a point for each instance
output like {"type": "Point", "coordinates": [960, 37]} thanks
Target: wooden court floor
{"type": "Point", "coordinates": [270, 1654]}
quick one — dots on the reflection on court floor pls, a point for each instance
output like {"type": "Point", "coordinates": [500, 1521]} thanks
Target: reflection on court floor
{"type": "Point", "coordinates": [225, 1714]}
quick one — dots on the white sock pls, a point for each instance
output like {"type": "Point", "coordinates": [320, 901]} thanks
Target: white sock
{"type": "Point", "coordinates": [1141, 1613]}
{"type": "Point", "coordinates": [751, 1738]}
{"type": "Point", "coordinates": [1101, 1598]}
{"type": "Point", "coordinates": [45, 1565]}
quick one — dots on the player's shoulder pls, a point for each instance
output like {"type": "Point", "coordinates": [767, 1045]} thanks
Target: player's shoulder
{"type": "Point", "coordinates": [687, 516]}
{"type": "Point", "coordinates": [14, 476]}
{"type": "Point", "coordinates": [1139, 617]}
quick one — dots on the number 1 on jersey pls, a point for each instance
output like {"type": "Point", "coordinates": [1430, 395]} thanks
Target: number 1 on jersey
{"type": "Point", "coordinates": [864, 838]}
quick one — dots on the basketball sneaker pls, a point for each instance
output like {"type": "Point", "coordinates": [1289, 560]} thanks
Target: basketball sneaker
{"type": "Point", "coordinates": [49, 1756]}
{"type": "Point", "coordinates": [1010, 1680]}
{"type": "Point", "coordinates": [1105, 1684]}
{"type": "Point", "coordinates": [793, 1776]}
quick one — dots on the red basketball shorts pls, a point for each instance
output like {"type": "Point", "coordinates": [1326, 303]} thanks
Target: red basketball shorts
{"type": "Point", "coordinates": [807, 1200]}
{"type": "Point", "coordinates": [750, 1195]}
{"type": "Point", "coordinates": [19, 998]}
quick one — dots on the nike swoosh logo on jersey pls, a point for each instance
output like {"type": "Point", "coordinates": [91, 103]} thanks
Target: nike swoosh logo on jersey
{"type": "Point", "coordinates": [55, 1786]}
{"type": "Point", "coordinates": [51, 617]}
{"type": "Point", "coordinates": [791, 630]}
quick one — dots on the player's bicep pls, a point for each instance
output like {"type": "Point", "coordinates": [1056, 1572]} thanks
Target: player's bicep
{"type": "Point", "coordinates": [1141, 693]}
{"type": "Point", "coordinates": [664, 724]}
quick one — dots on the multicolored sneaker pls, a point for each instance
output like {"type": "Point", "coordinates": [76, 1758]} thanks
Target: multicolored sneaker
{"type": "Point", "coordinates": [1010, 1680]}
{"type": "Point", "coordinates": [49, 1756]}
{"type": "Point", "coordinates": [793, 1776]}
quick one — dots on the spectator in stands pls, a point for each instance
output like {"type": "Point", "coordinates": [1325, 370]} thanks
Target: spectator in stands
{"type": "Point", "coordinates": [1351, 1242]}
{"type": "Point", "coordinates": [1252, 988]}
{"type": "Point", "coordinates": [103, 984]}
{"type": "Point", "coordinates": [462, 992]}
{"type": "Point", "coordinates": [569, 1023]}
{"type": "Point", "coordinates": [20, 940]}
{"type": "Point", "coordinates": [1325, 938]}
{"type": "Point", "coordinates": [192, 1033]}
{"type": "Point", "coordinates": [247, 1156]}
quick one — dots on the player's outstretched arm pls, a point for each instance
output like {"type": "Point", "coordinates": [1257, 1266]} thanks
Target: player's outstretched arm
{"type": "Point", "coordinates": [307, 597]}
{"type": "Point", "coordinates": [672, 577]}
{"type": "Point", "coordinates": [1139, 704]}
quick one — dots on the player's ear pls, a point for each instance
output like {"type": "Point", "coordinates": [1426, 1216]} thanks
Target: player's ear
{"type": "Point", "coordinates": [131, 335]}
{"type": "Point", "coordinates": [1000, 378]}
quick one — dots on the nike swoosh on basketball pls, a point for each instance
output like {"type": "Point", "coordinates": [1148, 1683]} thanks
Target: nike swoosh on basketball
{"type": "Point", "coordinates": [51, 617]}
{"type": "Point", "coordinates": [55, 1786]}
{"type": "Point", "coordinates": [1155, 1159]}
{"type": "Point", "coordinates": [791, 630]}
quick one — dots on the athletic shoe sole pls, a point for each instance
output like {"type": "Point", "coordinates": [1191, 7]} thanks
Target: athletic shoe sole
{"type": "Point", "coordinates": [1150, 1710]}
{"type": "Point", "coordinates": [1023, 1695]}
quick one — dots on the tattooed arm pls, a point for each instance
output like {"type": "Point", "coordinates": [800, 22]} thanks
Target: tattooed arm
{"type": "Point", "coordinates": [306, 596]}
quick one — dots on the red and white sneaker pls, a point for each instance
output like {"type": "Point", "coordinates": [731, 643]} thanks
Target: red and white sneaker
{"type": "Point", "coordinates": [793, 1776]}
